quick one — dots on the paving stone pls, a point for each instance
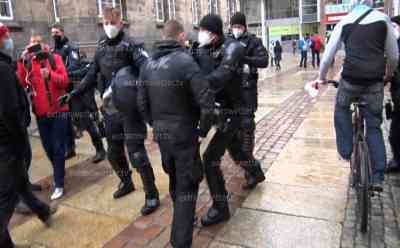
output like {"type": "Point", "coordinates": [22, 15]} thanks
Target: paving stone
{"type": "Point", "coordinates": [273, 230]}
{"type": "Point", "coordinates": [314, 202]}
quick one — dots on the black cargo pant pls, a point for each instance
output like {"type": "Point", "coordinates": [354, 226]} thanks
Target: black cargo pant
{"type": "Point", "coordinates": [135, 132]}
{"type": "Point", "coordinates": [394, 136]}
{"type": "Point", "coordinates": [181, 161]}
{"type": "Point", "coordinates": [220, 142]}
{"type": "Point", "coordinates": [241, 147]}
{"type": "Point", "coordinates": [13, 186]}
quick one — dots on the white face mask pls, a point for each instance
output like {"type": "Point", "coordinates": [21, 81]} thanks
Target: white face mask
{"type": "Point", "coordinates": [237, 32]}
{"type": "Point", "coordinates": [204, 38]}
{"type": "Point", "coordinates": [111, 31]}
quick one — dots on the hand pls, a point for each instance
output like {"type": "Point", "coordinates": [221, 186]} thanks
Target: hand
{"type": "Point", "coordinates": [45, 73]}
{"type": "Point", "coordinates": [64, 99]}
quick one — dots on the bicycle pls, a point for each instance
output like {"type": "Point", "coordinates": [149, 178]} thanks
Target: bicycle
{"type": "Point", "coordinates": [360, 163]}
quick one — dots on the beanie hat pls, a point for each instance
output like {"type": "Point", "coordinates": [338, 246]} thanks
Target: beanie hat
{"type": "Point", "coordinates": [238, 18]}
{"type": "Point", "coordinates": [212, 23]}
{"type": "Point", "coordinates": [396, 19]}
{"type": "Point", "coordinates": [3, 30]}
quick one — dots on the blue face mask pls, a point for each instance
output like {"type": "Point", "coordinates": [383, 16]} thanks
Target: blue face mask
{"type": "Point", "coordinates": [8, 47]}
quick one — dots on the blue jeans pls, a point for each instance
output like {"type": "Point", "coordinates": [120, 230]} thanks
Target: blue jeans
{"type": "Point", "coordinates": [53, 134]}
{"type": "Point", "coordinates": [373, 95]}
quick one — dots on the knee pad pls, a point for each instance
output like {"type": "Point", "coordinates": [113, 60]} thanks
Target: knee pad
{"type": "Point", "coordinates": [139, 159]}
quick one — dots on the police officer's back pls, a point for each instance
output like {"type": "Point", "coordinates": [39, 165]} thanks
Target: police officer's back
{"type": "Point", "coordinates": [172, 95]}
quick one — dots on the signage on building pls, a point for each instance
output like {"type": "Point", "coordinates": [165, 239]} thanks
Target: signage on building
{"type": "Point", "coordinates": [276, 31]}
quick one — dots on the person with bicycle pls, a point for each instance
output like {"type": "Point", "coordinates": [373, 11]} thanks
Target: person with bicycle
{"type": "Point", "coordinates": [364, 72]}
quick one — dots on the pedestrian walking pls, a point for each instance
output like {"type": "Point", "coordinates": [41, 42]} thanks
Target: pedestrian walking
{"type": "Point", "coordinates": [316, 46]}
{"type": "Point", "coordinates": [272, 54]}
{"type": "Point", "coordinates": [278, 55]}
{"type": "Point", "coordinates": [304, 46]}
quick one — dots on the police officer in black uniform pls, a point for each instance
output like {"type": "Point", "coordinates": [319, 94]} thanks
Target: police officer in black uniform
{"type": "Point", "coordinates": [256, 56]}
{"type": "Point", "coordinates": [84, 106]}
{"type": "Point", "coordinates": [14, 145]}
{"type": "Point", "coordinates": [173, 95]}
{"type": "Point", "coordinates": [394, 137]}
{"type": "Point", "coordinates": [115, 52]}
{"type": "Point", "coordinates": [220, 59]}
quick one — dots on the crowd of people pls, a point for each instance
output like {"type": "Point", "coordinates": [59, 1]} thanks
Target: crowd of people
{"type": "Point", "coordinates": [181, 92]}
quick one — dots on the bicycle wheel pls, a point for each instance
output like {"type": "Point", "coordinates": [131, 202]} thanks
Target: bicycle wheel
{"type": "Point", "coordinates": [364, 200]}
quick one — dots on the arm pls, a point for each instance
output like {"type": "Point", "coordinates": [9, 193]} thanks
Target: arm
{"type": "Point", "coordinates": [10, 105]}
{"type": "Point", "coordinates": [220, 77]}
{"type": "Point", "coordinates": [59, 76]}
{"type": "Point", "coordinates": [143, 99]}
{"type": "Point", "coordinates": [259, 57]}
{"type": "Point", "coordinates": [204, 97]}
{"type": "Point", "coordinates": [89, 82]}
{"type": "Point", "coordinates": [391, 50]}
{"type": "Point", "coordinates": [331, 49]}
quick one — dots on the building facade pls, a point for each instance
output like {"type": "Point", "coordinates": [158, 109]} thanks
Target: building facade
{"type": "Point", "coordinates": [82, 18]}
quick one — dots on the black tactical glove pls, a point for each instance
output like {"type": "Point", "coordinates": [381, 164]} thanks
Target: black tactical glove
{"type": "Point", "coordinates": [62, 100]}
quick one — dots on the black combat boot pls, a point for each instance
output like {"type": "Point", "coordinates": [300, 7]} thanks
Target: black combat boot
{"type": "Point", "coordinates": [100, 152]}
{"type": "Point", "coordinates": [125, 187]}
{"type": "Point", "coordinates": [152, 201]}
{"type": "Point", "coordinates": [254, 175]}
{"type": "Point", "coordinates": [216, 215]}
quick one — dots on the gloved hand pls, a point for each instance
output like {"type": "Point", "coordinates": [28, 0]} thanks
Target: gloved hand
{"type": "Point", "coordinates": [62, 100]}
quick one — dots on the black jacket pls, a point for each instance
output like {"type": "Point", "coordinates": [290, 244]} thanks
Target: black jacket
{"type": "Point", "coordinates": [173, 91]}
{"type": "Point", "coordinates": [71, 57]}
{"type": "Point", "coordinates": [14, 110]}
{"type": "Point", "coordinates": [112, 55]}
{"type": "Point", "coordinates": [256, 55]}
{"type": "Point", "coordinates": [223, 67]}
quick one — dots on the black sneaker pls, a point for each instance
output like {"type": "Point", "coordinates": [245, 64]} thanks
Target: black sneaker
{"type": "Point", "coordinates": [215, 216]}
{"type": "Point", "coordinates": [124, 189]}
{"type": "Point", "coordinates": [150, 206]}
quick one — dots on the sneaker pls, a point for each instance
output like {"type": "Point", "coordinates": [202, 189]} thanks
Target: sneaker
{"type": "Point", "coordinates": [57, 194]}
{"type": "Point", "coordinates": [47, 219]}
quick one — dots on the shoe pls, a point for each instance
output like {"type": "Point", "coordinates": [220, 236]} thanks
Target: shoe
{"type": "Point", "coordinates": [57, 194]}
{"type": "Point", "coordinates": [253, 180]}
{"type": "Point", "coordinates": [48, 218]}
{"type": "Point", "coordinates": [392, 167]}
{"type": "Point", "coordinates": [70, 154]}
{"type": "Point", "coordinates": [150, 206]}
{"type": "Point", "coordinates": [35, 187]}
{"type": "Point", "coordinates": [215, 216]}
{"type": "Point", "coordinates": [100, 156]}
{"type": "Point", "coordinates": [23, 209]}
{"type": "Point", "coordinates": [124, 189]}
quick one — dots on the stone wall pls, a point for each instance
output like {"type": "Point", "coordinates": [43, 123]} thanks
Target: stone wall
{"type": "Point", "coordinates": [83, 25]}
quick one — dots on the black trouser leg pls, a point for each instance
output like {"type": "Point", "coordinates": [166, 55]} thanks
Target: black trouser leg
{"type": "Point", "coordinates": [135, 134]}
{"type": "Point", "coordinates": [11, 174]}
{"type": "Point", "coordinates": [116, 147]}
{"type": "Point", "coordinates": [318, 58]}
{"type": "Point", "coordinates": [95, 136]}
{"type": "Point", "coordinates": [394, 136]}
{"type": "Point", "coordinates": [70, 142]}
{"type": "Point", "coordinates": [212, 165]}
{"type": "Point", "coordinates": [184, 168]}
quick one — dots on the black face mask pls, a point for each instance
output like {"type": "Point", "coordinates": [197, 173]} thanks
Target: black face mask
{"type": "Point", "coordinates": [57, 40]}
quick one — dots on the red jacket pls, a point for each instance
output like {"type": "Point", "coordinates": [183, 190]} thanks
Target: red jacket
{"type": "Point", "coordinates": [45, 104]}
{"type": "Point", "coordinates": [317, 42]}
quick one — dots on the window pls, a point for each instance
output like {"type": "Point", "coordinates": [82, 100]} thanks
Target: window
{"type": "Point", "coordinates": [165, 10]}
{"type": "Point", "coordinates": [6, 12]}
{"type": "Point", "coordinates": [56, 11]}
{"type": "Point", "coordinates": [213, 6]}
{"type": "Point", "coordinates": [196, 11]}
{"type": "Point", "coordinates": [101, 4]}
